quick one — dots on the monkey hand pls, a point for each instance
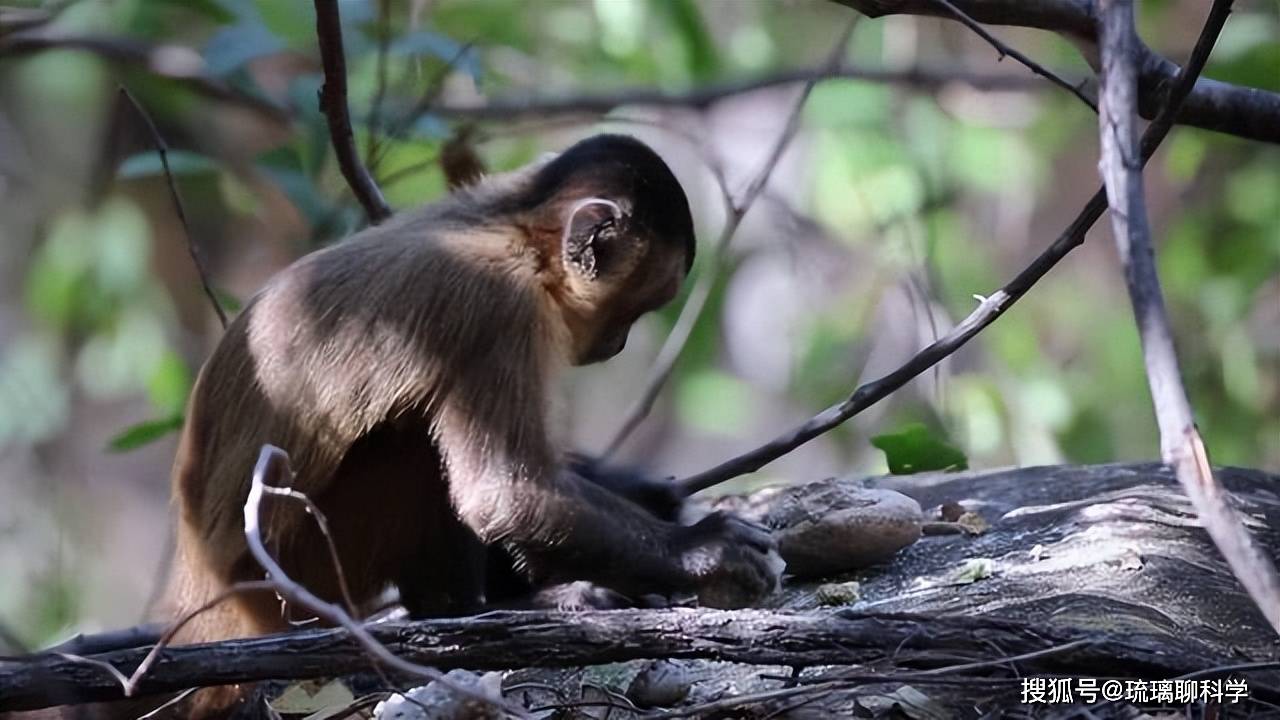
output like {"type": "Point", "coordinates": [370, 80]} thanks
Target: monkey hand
{"type": "Point", "coordinates": [730, 562]}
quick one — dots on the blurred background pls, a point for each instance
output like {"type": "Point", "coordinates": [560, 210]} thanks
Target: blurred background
{"type": "Point", "coordinates": [899, 199]}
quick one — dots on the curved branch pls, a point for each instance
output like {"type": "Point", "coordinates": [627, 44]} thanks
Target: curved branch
{"type": "Point", "coordinates": [333, 103]}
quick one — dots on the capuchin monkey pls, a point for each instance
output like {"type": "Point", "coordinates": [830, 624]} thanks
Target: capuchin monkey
{"type": "Point", "coordinates": [407, 373]}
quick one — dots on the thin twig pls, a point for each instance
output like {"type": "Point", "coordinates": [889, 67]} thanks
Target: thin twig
{"type": "Point", "coordinates": [1010, 659]}
{"type": "Point", "coordinates": [838, 681]}
{"type": "Point", "coordinates": [1004, 50]}
{"type": "Point", "coordinates": [323, 524]}
{"type": "Point", "coordinates": [274, 462]}
{"type": "Point", "coordinates": [333, 103]}
{"type": "Point", "coordinates": [162, 149]}
{"type": "Point", "coordinates": [989, 308]}
{"type": "Point", "coordinates": [1181, 446]}
{"type": "Point", "coordinates": [737, 701]}
{"type": "Point", "coordinates": [130, 683]}
{"type": "Point", "coordinates": [697, 300]}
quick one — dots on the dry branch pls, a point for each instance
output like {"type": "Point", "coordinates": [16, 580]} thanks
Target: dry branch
{"type": "Point", "coordinates": [1245, 112]}
{"type": "Point", "coordinates": [1180, 443]}
{"type": "Point", "coordinates": [503, 640]}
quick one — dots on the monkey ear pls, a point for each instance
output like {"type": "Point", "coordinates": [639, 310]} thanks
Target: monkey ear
{"type": "Point", "coordinates": [592, 224]}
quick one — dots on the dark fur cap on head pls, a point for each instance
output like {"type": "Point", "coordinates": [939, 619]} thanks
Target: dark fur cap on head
{"type": "Point", "coordinates": [623, 166]}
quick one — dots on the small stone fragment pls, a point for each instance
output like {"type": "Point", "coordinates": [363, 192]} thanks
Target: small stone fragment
{"type": "Point", "coordinates": [973, 523]}
{"type": "Point", "coordinates": [973, 570]}
{"type": "Point", "coordinates": [845, 593]}
{"type": "Point", "coordinates": [435, 702]}
{"type": "Point", "coordinates": [307, 697]}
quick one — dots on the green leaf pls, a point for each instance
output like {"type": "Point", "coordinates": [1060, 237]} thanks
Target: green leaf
{"type": "Point", "coordinates": [915, 449]}
{"type": "Point", "coordinates": [136, 436]}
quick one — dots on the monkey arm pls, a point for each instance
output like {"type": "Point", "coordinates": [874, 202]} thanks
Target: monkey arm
{"type": "Point", "coordinates": [507, 484]}
{"type": "Point", "coordinates": [589, 533]}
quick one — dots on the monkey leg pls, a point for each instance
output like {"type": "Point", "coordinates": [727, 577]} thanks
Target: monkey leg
{"type": "Point", "coordinates": [446, 577]}
{"type": "Point", "coordinates": [392, 521]}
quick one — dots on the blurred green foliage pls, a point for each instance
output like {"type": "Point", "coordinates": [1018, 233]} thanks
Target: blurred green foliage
{"type": "Point", "coordinates": [883, 156]}
{"type": "Point", "coordinates": [955, 193]}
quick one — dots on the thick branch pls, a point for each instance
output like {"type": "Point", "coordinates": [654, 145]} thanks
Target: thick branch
{"type": "Point", "coordinates": [1219, 106]}
{"type": "Point", "coordinates": [1245, 112]}
{"type": "Point", "coordinates": [536, 639]}
{"type": "Point", "coordinates": [333, 103]}
{"type": "Point", "coordinates": [1181, 446]}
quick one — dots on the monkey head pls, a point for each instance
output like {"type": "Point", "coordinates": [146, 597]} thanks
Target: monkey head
{"type": "Point", "coordinates": [622, 239]}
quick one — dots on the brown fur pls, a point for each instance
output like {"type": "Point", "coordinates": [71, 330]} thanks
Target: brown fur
{"type": "Point", "coordinates": [405, 371]}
